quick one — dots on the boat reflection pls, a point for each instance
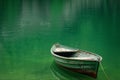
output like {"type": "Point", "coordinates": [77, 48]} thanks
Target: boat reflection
{"type": "Point", "coordinates": [61, 73]}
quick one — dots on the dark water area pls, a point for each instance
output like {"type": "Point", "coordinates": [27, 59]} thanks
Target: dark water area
{"type": "Point", "coordinates": [28, 29]}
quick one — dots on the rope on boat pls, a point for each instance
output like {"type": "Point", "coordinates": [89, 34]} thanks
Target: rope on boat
{"type": "Point", "coordinates": [104, 71]}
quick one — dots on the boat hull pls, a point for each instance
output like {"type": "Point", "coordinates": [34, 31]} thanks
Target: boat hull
{"type": "Point", "coordinates": [89, 68]}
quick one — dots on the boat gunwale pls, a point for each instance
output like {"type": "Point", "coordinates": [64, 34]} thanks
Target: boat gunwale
{"type": "Point", "coordinates": [67, 58]}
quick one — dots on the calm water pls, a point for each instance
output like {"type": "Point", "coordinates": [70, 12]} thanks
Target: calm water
{"type": "Point", "coordinates": [28, 28]}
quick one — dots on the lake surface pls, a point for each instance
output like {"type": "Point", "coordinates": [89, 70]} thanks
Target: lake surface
{"type": "Point", "coordinates": [28, 29]}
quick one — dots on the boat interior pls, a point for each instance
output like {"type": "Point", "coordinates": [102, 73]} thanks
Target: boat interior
{"type": "Point", "coordinates": [78, 55]}
{"type": "Point", "coordinates": [65, 54]}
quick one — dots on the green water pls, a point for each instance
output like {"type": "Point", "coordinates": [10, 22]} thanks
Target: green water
{"type": "Point", "coordinates": [28, 29]}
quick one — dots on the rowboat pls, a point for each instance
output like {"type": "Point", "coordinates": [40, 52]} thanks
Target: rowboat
{"type": "Point", "coordinates": [76, 60]}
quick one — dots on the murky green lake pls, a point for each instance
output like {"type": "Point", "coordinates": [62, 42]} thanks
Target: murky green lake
{"type": "Point", "coordinates": [28, 29]}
